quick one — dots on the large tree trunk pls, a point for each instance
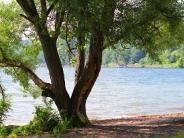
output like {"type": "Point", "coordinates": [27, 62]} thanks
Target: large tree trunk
{"type": "Point", "coordinates": [88, 78]}
{"type": "Point", "coordinates": [61, 97]}
{"type": "Point", "coordinates": [48, 42]}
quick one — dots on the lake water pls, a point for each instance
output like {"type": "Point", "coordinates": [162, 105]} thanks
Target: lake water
{"type": "Point", "coordinates": [118, 92]}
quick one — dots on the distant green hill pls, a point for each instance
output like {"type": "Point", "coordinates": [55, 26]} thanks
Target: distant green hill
{"type": "Point", "coordinates": [173, 57]}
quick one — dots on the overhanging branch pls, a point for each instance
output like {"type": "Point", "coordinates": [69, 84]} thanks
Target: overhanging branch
{"type": "Point", "coordinates": [39, 82]}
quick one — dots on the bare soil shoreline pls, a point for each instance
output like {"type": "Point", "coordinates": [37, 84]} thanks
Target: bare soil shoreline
{"type": "Point", "coordinates": [145, 126]}
{"type": "Point", "coordinates": [151, 126]}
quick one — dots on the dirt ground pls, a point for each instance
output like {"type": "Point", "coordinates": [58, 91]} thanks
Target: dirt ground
{"type": "Point", "coordinates": [154, 126]}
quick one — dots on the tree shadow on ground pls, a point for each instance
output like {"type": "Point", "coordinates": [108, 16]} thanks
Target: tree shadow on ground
{"type": "Point", "coordinates": [134, 127]}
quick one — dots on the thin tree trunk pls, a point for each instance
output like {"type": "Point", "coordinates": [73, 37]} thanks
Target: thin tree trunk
{"type": "Point", "coordinates": [80, 57]}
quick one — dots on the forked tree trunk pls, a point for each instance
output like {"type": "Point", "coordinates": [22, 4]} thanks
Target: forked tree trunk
{"type": "Point", "coordinates": [88, 78]}
{"type": "Point", "coordinates": [73, 108]}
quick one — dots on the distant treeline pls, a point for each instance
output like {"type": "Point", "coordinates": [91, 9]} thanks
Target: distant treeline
{"type": "Point", "coordinates": [173, 57]}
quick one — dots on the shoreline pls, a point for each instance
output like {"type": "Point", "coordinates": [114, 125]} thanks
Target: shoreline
{"type": "Point", "coordinates": [170, 115]}
{"type": "Point", "coordinates": [137, 126]}
{"type": "Point", "coordinates": [94, 120]}
{"type": "Point", "coordinates": [154, 66]}
{"type": "Point", "coordinates": [143, 126]}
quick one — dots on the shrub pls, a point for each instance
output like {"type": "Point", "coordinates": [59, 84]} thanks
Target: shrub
{"type": "Point", "coordinates": [61, 127]}
{"type": "Point", "coordinates": [4, 108]}
{"type": "Point", "coordinates": [4, 105]}
{"type": "Point", "coordinates": [45, 120]}
{"type": "Point", "coordinates": [179, 63]}
{"type": "Point", "coordinates": [4, 131]}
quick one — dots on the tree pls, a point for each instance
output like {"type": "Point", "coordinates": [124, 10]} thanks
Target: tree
{"type": "Point", "coordinates": [97, 24]}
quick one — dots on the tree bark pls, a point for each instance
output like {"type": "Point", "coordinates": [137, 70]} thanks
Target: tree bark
{"type": "Point", "coordinates": [80, 56]}
{"type": "Point", "coordinates": [56, 73]}
{"type": "Point", "coordinates": [80, 61]}
{"type": "Point", "coordinates": [88, 78]}
{"type": "Point", "coordinates": [61, 97]}
{"type": "Point", "coordinates": [55, 68]}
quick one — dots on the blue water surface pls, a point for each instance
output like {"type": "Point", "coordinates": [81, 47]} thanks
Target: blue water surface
{"type": "Point", "coordinates": [118, 92]}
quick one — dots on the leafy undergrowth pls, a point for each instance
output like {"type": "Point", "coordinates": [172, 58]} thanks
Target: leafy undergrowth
{"type": "Point", "coordinates": [4, 108]}
{"type": "Point", "coordinates": [45, 120]}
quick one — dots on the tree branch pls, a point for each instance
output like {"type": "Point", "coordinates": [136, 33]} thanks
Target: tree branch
{"type": "Point", "coordinates": [58, 22]}
{"type": "Point", "coordinates": [27, 18]}
{"type": "Point", "coordinates": [51, 7]}
{"type": "Point", "coordinates": [43, 9]}
{"type": "Point", "coordinates": [32, 5]}
{"type": "Point", "coordinates": [48, 93]}
{"type": "Point", "coordinates": [12, 63]}
{"type": "Point", "coordinates": [28, 7]}
{"type": "Point", "coordinates": [66, 36]}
